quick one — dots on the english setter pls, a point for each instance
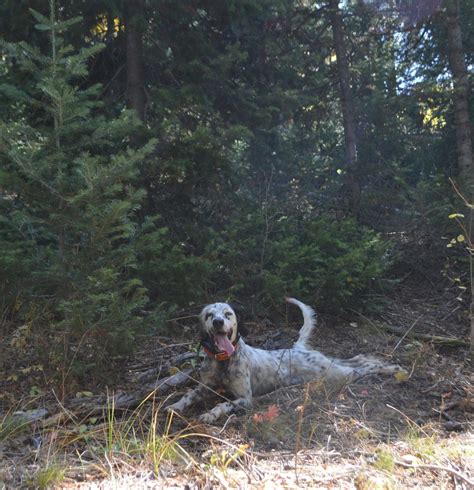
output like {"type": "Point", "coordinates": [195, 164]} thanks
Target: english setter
{"type": "Point", "coordinates": [245, 371]}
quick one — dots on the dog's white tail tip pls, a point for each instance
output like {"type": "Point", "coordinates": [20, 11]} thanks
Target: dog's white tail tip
{"type": "Point", "coordinates": [293, 301]}
{"type": "Point", "coordinates": [309, 317]}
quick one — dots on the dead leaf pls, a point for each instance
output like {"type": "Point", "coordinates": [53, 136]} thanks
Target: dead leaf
{"type": "Point", "coordinates": [401, 376]}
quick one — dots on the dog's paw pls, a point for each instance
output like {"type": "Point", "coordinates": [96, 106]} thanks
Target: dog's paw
{"type": "Point", "coordinates": [207, 418]}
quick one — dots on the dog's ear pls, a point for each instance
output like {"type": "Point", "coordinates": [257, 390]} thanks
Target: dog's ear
{"type": "Point", "coordinates": [239, 313]}
{"type": "Point", "coordinates": [202, 331]}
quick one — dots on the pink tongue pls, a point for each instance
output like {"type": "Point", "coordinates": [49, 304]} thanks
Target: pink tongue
{"type": "Point", "coordinates": [224, 344]}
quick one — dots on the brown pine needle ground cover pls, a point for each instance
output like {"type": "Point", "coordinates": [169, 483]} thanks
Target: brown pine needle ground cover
{"type": "Point", "coordinates": [377, 433]}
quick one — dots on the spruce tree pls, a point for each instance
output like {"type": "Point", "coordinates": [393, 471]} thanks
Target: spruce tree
{"type": "Point", "coordinates": [69, 206]}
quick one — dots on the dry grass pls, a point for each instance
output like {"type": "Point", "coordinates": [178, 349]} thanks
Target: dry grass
{"type": "Point", "coordinates": [302, 439]}
{"type": "Point", "coordinates": [378, 433]}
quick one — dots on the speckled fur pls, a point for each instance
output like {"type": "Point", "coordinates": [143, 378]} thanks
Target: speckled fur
{"type": "Point", "coordinates": [252, 372]}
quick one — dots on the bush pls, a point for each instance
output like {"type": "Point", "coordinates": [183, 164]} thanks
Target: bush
{"type": "Point", "coordinates": [170, 271]}
{"type": "Point", "coordinates": [329, 263]}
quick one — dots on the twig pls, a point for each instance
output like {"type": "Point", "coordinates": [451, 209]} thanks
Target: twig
{"type": "Point", "coordinates": [124, 401]}
{"type": "Point", "coordinates": [431, 388]}
{"type": "Point", "coordinates": [407, 332]}
{"type": "Point", "coordinates": [437, 468]}
{"type": "Point", "coordinates": [410, 421]}
{"type": "Point", "coordinates": [299, 427]}
{"type": "Point", "coordinates": [423, 336]}
{"type": "Point", "coordinates": [109, 83]}
{"type": "Point", "coordinates": [458, 192]}
{"type": "Point", "coordinates": [233, 416]}
{"type": "Point", "coordinates": [450, 313]}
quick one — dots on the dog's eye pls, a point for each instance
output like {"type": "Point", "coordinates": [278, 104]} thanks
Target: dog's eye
{"type": "Point", "coordinates": [208, 315]}
{"type": "Point", "coordinates": [228, 314]}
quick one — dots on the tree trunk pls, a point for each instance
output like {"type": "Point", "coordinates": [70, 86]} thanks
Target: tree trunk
{"type": "Point", "coordinates": [347, 106]}
{"type": "Point", "coordinates": [472, 320]}
{"type": "Point", "coordinates": [461, 100]}
{"type": "Point", "coordinates": [463, 125]}
{"type": "Point", "coordinates": [134, 18]}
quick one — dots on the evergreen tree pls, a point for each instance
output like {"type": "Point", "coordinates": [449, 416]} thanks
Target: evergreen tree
{"type": "Point", "coordinates": [70, 207]}
{"type": "Point", "coordinates": [249, 165]}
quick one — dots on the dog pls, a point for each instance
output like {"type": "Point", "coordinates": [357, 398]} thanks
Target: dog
{"type": "Point", "coordinates": [245, 371]}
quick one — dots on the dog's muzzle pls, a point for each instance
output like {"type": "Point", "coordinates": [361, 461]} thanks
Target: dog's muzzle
{"type": "Point", "coordinates": [217, 324]}
{"type": "Point", "coordinates": [221, 337]}
{"type": "Point", "coordinates": [220, 348]}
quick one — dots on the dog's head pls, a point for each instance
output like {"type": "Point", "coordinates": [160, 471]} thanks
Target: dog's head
{"type": "Point", "coordinates": [221, 326]}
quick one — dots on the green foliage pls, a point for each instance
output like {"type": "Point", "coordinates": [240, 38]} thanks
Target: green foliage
{"type": "Point", "coordinates": [51, 475]}
{"type": "Point", "coordinates": [171, 273]}
{"type": "Point", "coordinates": [243, 193]}
{"type": "Point", "coordinates": [329, 262]}
{"type": "Point", "coordinates": [71, 212]}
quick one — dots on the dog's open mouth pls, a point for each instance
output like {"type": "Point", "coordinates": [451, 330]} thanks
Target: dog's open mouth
{"type": "Point", "coordinates": [223, 343]}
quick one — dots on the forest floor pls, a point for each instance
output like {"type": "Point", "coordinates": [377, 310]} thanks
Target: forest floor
{"type": "Point", "coordinates": [377, 433]}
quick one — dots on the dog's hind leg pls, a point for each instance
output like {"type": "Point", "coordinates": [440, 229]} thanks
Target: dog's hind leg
{"type": "Point", "coordinates": [363, 364]}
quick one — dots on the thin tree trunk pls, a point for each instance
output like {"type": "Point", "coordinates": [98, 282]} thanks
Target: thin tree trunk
{"type": "Point", "coordinates": [347, 105]}
{"type": "Point", "coordinates": [134, 17]}
{"type": "Point", "coordinates": [462, 121]}
{"type": "Point", "coordinates": [461, 100]}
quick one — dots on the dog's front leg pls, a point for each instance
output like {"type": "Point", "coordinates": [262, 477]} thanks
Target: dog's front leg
{"type": "Point", "coordinates": [188, 399]}
{"type": "Point", "coordinates": [242, 390]}
{"type": "Point", "coordinates": [225, 408]}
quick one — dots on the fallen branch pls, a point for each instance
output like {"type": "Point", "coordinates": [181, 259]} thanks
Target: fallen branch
{"type": "Point", "coordinates": [155, 371]}
{"type": "Point", "coordinates": [437, 468]}
{"type": "Point", "coordinates": [437, 339]}
{"type": "Point", "coordinates": [97, 405]}
{"type": "Point", "coordinates": [466, 404]}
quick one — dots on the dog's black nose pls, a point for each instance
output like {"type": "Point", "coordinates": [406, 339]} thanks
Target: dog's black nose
{"type": "Point", "coordinates": [217, 323]}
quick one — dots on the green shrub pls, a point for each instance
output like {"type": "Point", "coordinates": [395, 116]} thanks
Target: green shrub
{"type": "Point", "coordinates": [330, 263]}
{"type": "Point", "coordinates": [170, 271]}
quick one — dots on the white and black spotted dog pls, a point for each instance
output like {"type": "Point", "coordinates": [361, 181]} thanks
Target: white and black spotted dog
{"type": "Point", "coordinates": [245, 371]}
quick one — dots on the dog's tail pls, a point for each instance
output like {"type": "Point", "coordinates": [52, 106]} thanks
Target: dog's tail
{"type": "Point", "coordinates": [309, 317]}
